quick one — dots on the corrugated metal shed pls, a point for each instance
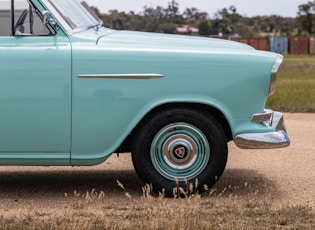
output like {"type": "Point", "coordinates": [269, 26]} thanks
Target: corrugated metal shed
{"type": "Point", "coordinates": [299, 45]}
{"type": "Point", "coordinates": [312, 45]}
{"type": "Point", "coordinates": [259, 43]}
{"type": "Point", "coordinates": [279, 44]}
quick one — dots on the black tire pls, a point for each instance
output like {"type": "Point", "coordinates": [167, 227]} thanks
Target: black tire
{"type": "Point", "coordinates": [177, 147]}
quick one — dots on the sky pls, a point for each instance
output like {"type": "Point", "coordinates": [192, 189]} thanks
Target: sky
{"type": "Point", "coordinates": [285, 8]}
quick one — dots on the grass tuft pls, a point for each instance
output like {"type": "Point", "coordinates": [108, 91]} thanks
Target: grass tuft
{"type": "Point", "coordinates": [151, 211]}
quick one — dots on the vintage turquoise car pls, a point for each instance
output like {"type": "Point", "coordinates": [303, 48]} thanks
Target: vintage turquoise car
{"type": "Point", "coordinates": [73, 92]}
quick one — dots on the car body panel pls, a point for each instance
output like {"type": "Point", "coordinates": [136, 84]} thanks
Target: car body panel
{"type": "Point", "coordinates": [74, 97]}
{"type": "Point", "coordinates": [191, 75]}
{"type": "Point", "coordinates": [35, 97]}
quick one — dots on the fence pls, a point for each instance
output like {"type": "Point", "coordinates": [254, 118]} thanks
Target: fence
{"type": "Point", "coordinates": [281, 44]}
{"type": "Point", "coordinates": [257, 43]}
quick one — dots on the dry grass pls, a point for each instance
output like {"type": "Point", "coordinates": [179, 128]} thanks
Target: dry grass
{"type": "Point", "coordinates": [93, 210]}
{"type": "Point", "coordinates": [295, 86]}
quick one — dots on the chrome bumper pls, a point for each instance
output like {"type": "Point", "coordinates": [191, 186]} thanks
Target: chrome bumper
{"type": "Point", "coordinates": [276, 139]}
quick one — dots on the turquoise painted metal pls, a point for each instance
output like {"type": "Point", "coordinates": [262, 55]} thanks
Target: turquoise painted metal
{"type": "Point", "coordinates": [52, 116]}
{"type": "Point", "coordinates": [231, 77]}
{"type": "Point", "coordinates": [35, 99]}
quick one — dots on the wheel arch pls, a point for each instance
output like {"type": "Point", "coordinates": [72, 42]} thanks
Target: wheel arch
{"type": "Point", "coordinates": [202, 108]}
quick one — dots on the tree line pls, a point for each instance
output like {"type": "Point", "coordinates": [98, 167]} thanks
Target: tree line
{"type": "Point", "coordinates": [226, 21]}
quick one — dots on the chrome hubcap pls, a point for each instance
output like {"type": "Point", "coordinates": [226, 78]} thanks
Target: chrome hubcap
{"type": "Point", "coordinates": [180, 151]}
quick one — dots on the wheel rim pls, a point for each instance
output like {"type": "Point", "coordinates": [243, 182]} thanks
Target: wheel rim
{"type": "Point", "coordinates": [180, 151]}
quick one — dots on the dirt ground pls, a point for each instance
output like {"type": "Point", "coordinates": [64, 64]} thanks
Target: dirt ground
{"type": "Point", "coordinates": [284, 177]}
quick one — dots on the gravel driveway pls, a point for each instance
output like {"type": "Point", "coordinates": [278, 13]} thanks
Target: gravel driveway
{"type": "Point", "coordinates": [282, 176]}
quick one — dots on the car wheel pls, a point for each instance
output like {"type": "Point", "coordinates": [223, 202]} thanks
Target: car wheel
{"type": "Point", "coordinates": [179, 147]}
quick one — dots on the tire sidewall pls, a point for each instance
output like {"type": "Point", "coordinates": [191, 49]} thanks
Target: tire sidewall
{"type": "Point", "coordinates": [210, 128]}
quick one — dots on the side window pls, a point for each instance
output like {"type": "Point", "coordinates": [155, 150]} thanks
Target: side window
{"type": "Point", "coordinates": [27, 20]}
{"type": "Point", "coordinates": [5, 20]}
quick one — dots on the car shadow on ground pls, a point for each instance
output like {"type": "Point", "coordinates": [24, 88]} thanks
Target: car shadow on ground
{"type": "Point", "coordinates": [56, 183]}
{"type": "Point", "coordinates": [244, 182]}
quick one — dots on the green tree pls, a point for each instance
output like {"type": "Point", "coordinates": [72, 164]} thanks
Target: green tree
{"type": "Point", "coordinates": [226, 21]}
{"type": "Point", "coordinates": [306, 16]}
{"type": "Point", "coordinates": [204, 27]}
{"type": "Point", "coordinates": [172, 12]}
{"type": "Point", "coordinates": [116, 20]}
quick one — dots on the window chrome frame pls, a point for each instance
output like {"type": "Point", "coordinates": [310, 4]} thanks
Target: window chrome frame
{"type": "Point", "coordinates": [64, 24]}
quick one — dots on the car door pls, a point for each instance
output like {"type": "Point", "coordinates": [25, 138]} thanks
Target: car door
{"type": "Point", "coordinates": [35, 92]}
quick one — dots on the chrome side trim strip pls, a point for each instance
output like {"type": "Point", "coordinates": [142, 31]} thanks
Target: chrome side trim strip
{"type": "Point", "coordinates": [123, 76]}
